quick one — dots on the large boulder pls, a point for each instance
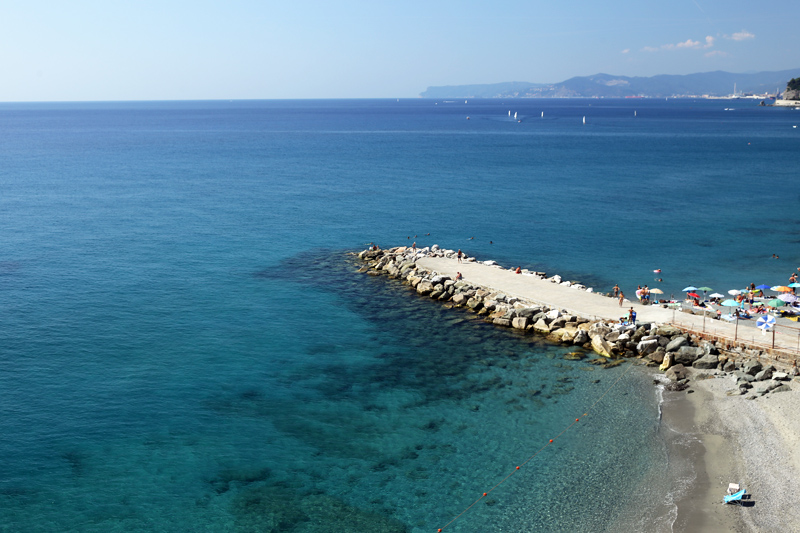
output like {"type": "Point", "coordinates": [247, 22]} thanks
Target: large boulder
{"type": "Point", "coordinates": [657, 356]}
{"type": "Point", "coordinates": [459, 299]}
{"type": "Point", "coordinates": [602, 347]}
{"type": "Point", "coordinates": [686, 355]}
{"type": "Point", "coordinates": [765, 374]}
{"type": "Point", "coordinates": [676, 373]}
{"type": "Point", "coordinates": [520, 322]}
{"type": "Point", "coordinates": [647, 347]}
{"type": "Point", "coordinates": [752, 367]}
{"type": "Point", "coordinates": [541, 326]}
{"type": "Point", "coordinates": [665, 330]}
{"type": "Point", "coordinates": [667, 362]}
{"type": "Point", "coordinates": [474, 303]}
{"type": "Point", "coordinates": [424, 287]}
{"type": "Point", "coordinates": [502, 322]}
{"type": "Point", "coordinates": [581, 338]}
{"type": "Point", "coordinates": [706, 362]}
{"type": "Point", "coordinates": [676, 344]}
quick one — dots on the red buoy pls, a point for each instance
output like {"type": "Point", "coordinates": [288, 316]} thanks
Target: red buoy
{"type": "Point", "coordinates": [517, 468]}
{"type": "Point", "coordinates": [551, 440]}
{"type": "Point", "coordinates": [484, 494]}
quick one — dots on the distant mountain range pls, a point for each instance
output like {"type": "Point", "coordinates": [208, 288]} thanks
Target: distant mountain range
{"type": "Point", "coordinates": [717, 83]}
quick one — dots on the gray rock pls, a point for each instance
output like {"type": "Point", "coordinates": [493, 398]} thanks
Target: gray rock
{"type": "Point", "coordinates": [687, 355]}
{"type": "Point", "coordinates": [658, 355]}
{"type": "Point", "coordinates": [459, 299]}
{"type": "Point", "coordinates": [780, 376]}
{"type": "Point", "coordinates": [730, 366]}
{"type": "Point", "coordinates": [764, 375]}
{"type": "Point", "coordinates": [741, 376]}
{"type": "Point", "coordinates": [647, 347]}
{"type": "Point", "coordinates": [676, 343]}
{"type": "Point", "coordinates": [666, 330]}
{"type": "Point", "coordinates": [474, 303]}
{"type": "Point", "coordinates": [752, 367]}
{"type": "Point", "coordinates": [612, 336]}
{"type": "Point", "coordinates": [782, 388]}
{"type": "Point", "coordinates": [501, 322]}
{"type": "Point", "coordinates": [581, 338]}
{"type": "Point", "coordinates": [424, 287]}
{"type": "Point", "coordinates": [676, 373]}
{"type": "Point", "coordinates": [706, 362]}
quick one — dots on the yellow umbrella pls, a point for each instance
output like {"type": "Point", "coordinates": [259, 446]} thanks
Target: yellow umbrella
{"type": "Point", "coordinates": [781, 288]}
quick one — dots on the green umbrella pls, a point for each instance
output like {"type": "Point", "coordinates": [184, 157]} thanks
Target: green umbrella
{"type": "Point", "coordinates": [776, 303]}
{"type": "Point", "coordinates": [704, 289]}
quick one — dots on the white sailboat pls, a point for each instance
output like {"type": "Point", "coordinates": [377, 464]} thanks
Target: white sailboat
{"type": "Point", "coordinates": [542, 114]}
{"type": "Point", "coordinates": [584, 119]}
{"type": "Point", "coordinates": [509, 112]}
{"type": "Point", "coordinates": [515, 115]}
{"type": "Point", "coordinates": [634, 113]}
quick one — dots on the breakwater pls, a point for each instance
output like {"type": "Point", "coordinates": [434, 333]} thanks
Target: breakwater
{"type": "Point", "coordinates": [656, 344]}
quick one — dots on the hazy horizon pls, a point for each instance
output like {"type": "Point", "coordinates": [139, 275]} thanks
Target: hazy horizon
{"type": "Point", "coordinates": [245, 50]}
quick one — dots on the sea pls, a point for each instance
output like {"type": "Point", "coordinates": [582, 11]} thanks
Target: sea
{"type": "Point", "coordinates": [186, 343]}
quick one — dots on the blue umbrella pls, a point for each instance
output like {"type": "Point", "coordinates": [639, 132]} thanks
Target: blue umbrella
{"type": "Point", "coordinates": [762, 287]}
{"type": "Point", "coordinates": [690, 288]}
{"type": "Point", "coordinates": [765, 322]}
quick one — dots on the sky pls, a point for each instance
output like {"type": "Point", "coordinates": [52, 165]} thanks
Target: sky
{"type": "Point", "coordinates": [84, 50]}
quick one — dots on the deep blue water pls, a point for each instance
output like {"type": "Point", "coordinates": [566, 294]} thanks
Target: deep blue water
{"type": "Point", "coordinates": [186, 345]}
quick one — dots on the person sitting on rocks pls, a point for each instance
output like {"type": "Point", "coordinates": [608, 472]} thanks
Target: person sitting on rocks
{"type": "Point", "coordinates": [458, 276]}
{"type": "Point", "coordinates": [518, 271]}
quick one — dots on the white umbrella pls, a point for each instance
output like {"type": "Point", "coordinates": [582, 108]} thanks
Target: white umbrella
{"type": "Point", "coordinates": [716, 295]}
{"type": "Point", "coordinates": [734, 292]}
{"type": "Point", "coordinates": [788, 298]}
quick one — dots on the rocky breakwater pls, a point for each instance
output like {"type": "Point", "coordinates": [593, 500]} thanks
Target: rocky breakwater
{"type": "Point", "coordinates": [669, 348]}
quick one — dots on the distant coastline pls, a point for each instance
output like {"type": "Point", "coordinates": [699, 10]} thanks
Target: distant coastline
{"type": "Point", "coordinates": [719, 84]}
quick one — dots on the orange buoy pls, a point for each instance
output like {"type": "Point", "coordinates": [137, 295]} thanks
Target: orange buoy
{"type": "Point", "coordinates": [551, 440]}
{"type": "Point", "coordinates": [577, 419]}
{"type": "Point", "coordinates": [517, 468]}
{"type": "Point", "coordinates": [484, 494]}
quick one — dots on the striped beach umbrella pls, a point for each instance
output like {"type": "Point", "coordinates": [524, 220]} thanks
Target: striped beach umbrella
{"type": "Point", "coordinates": [765, 322]}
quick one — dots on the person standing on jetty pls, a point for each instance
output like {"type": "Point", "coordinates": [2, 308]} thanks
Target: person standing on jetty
{"type": "Point", "coordinates": [632, 316]}
{"type": "Point", "coordinates": [414, 246]}
{"type": "Point", "coordinates": [616, 291]}
{"type": "Point", "coordinates": [459, 255]}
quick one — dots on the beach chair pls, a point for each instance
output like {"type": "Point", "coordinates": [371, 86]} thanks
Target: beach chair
{"type": "Point", "coordinates": [736, 497]}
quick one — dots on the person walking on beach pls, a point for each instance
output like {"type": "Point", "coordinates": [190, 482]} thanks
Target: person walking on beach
{"type": "Point", "coordinates": [621, 298]}
{"type": "Point", "coordinates": [632, 316]}
{"type": "Point", "coordinates": [616, 291]}
{"type": "Point", "coordinates": [459, 255]}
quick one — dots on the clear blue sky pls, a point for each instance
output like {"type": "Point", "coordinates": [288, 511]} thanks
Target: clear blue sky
{"type": "Point", "coordinates": [174, 49]}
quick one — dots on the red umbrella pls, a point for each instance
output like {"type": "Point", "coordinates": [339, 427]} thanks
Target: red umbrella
{"type": "Point", "coordinates": [693, 295]}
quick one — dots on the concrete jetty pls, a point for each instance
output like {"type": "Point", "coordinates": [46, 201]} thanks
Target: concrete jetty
{"type": "Point", "coordinates": [570, 313]}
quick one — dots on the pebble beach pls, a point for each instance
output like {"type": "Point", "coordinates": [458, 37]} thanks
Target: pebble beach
{"type": "Point", "coordinates": [734, 418]}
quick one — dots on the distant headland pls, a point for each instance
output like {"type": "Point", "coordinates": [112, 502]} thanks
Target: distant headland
{"type": "Point", "coordinates": [716, 84]}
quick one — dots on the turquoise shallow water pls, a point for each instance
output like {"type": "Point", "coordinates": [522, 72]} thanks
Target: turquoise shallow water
{"type": "Point", "coordinates": [186, 345]}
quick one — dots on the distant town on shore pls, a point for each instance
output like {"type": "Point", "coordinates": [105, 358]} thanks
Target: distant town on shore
{"type": "Point", "coordinates": [718, 84]}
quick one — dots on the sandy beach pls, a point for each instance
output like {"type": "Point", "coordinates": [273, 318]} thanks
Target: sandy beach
{"type": "Point", "coordinates": [724, 439]}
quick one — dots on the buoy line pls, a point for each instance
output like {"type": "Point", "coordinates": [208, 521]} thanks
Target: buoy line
{"type": "Point", "coordinates": [540, 450]}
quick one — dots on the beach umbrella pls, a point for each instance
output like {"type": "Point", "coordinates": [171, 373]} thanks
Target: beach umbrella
{"type": "Point", "coordinates": [765, 322]}
{"type": "Point", "coordinates": [730, 303]}
{"type": "Point", "coordinates": [717, 295]}
{"type": "Point", "coordinates": [690, 288]}
{"type": "Point", "coordinates": [656, 291]}
{"type": "Point", "coordinates": [776, 303]}
{"type": "Point", "coordinates": [762, 287]}
{"type": "Point", "coordinates": [704, 289]}
{"type": "Point", "coordinates": [788, 297]}
{"type": "Point", "coordinates": [781, 288]}
{"type": "Point", "coordinates": [693, 295]}
{"type": "Point", "coordinates": [734, 292]}
{"type": "Point", "coordinates": [794, 285]}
